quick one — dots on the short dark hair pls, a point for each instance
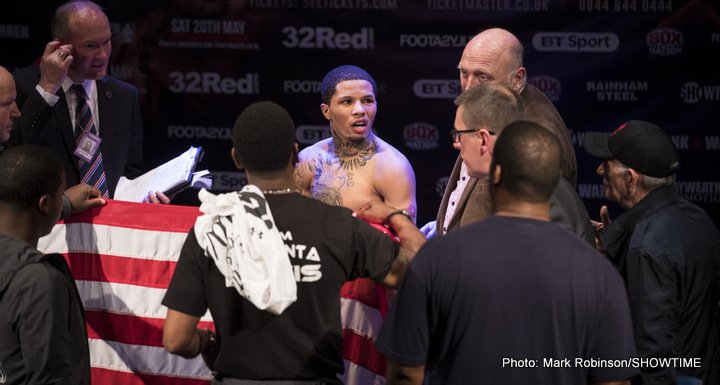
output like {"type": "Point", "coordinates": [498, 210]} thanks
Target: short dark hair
{"type": "Point", "coordinates": [264, 137]}
{"type": "Point", "coordinates": [490, 105]}
{"type": "Point", "coordinates": [530, 158]}
{"type": "Point", "coordinates": [341, 74]}
{"type": "Point", "coordinates": [26, 174]}
{"type": "Point", "coordinates": [60, 24]}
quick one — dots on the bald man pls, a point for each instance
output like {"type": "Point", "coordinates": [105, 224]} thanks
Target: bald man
{"type": "Point", "coordinates": [495, 56]}
{"type": "Point", "coordinates": [76, 198]}
{"type": "Point", "coordinates": [8, 109]}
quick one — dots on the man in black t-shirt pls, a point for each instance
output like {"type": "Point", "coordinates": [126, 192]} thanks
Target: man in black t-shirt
{"type": "Point", "coordinates": [325, 246]}
{"type": "Point", "coordinates": [512, 299]}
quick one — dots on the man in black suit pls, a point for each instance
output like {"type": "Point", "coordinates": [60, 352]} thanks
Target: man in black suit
{"type": "Point", "coordinates": [49, 96]}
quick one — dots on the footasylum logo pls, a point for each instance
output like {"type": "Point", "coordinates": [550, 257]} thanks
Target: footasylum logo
{"type": "Point", "coordinates": [437, 88]}
{"type": "Point", "coordinates": [433, 40]}
{"type": "Point", "coordinates": [550, 86]}
{"type": "Point", "coordinates": [693, 92]}
{"type": "Point", "coordinates": [575, 41]}
{"type": "Point", "coordinates": [301, 86]}
{"type": "Point", "coordinates": [199, 132]}
{"type": "Point", "coordinates": [665, 42]}
{"type": "Point", "coordinates": [421, 136]}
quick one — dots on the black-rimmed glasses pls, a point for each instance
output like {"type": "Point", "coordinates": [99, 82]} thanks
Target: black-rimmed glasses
{"type": "Point", "coordinates": [455, 134]}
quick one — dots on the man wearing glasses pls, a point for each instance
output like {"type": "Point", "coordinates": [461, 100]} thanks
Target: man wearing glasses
{"type": "Point", "coordinates": [495, 56]}
{"type": "Point", "coordinates": [480, 118]}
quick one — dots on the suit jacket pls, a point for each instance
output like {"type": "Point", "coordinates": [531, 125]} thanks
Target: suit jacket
{"type": "Point", "coordinates": [121, 127]}
{"type": "Point", "coordinates": [474, 203]}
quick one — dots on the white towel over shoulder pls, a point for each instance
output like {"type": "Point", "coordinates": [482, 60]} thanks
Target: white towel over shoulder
{"type": "Point", "coordinates": [238, 232]}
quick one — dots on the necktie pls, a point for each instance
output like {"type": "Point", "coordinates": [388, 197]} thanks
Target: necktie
{"type": "Point", "coordinates": [93, 172]}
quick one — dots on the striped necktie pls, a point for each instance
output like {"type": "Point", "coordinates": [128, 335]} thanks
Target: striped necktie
{"type": "Point", "coordinates": [92, 173]}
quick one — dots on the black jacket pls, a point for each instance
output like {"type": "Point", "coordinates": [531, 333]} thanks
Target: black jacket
{"type": "Point", "coordinates": [43, 339]}
{"type": "Point", "coordinates": [120, 128]}
{"type": "Point", "coordinates": [668, 251]}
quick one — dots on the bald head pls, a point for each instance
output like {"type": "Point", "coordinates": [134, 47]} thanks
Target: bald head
{"type": "Point", "coordinates": [61, 22]}
{"type": "Point", "coordinates": [5, 79]}
{"type": "Point", "coordinates": [8, 109]}
{"type": "Point", "coordinates": [493, 56]}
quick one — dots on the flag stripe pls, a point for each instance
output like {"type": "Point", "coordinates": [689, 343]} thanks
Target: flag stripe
{"type": "Point", "coordinates": [108, 268]}
{"type": "Point", "coordinates": [118, 298]}
{"type": "Point", "coordinates": [361, 350]}
{"type": "Point", "coordinates": [140, 216]}
{"type": "Point", "coordinates": [144, 359]}
{"type": "Point", "coordinates": [366, 291]}
{"type": "Point", "coordinates": [102, 376]}
{"type": "Point", "coordinates": [129, 329]}
{"type": "Point", "coordinates": [361, 319]}
{"type": "Point", "coordinates": [357, 375]}
{"type": "Point", "coordinates": [112, 240]}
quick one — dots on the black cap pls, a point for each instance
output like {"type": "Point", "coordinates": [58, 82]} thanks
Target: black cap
{"type": "Point", "coordinates": [640, 145]}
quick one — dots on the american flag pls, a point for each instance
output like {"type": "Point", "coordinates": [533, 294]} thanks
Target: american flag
{"type": "Point", "coordinates": [122, 257]}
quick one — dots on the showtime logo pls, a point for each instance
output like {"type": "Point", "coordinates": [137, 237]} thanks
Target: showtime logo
{"type": "Point", "coordinates": [421, 136]}
{"type": "Point", "coordinates": [692, 93]}
{"type": "Point", "coordinates": [576, 41]}
{"type": "Point", "coordinates": [665, 42]}
{"type": "Point", "coordinates": [437, 88]}
{"type": "Point", "coordinates": [548, 85]}
{"type": "Point", "coordinates": [327, 38]}
{"type": "Point", "coordinates": [311, 134]}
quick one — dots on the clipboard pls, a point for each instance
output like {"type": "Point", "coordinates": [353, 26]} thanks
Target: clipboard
{"type": "Point", "coordinates": [170, 178]}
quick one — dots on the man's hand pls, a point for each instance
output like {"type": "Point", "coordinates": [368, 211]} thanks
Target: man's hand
{"type": "Point", "coordinates": [374, 211]}
{"type": "Point", "coordinates": [54, 65]}
{"type": "Point", "coordinates": [83, 196]}
{"type": "Point", "coordinates": [156, 198]}
{"type": "Point", "coordinates": [211, 350]}
{"type": "Point", "coordinates": [429, 230]}
{"type": "Point", "coordinates": [599, 227]}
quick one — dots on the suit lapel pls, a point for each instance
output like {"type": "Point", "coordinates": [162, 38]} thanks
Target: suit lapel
{"type": "Point", "coordinates": [461, 208]}
{"type": "Point", "coordinates": [104, 96]}
{"type": "Point", "coordinates": [452, 184]}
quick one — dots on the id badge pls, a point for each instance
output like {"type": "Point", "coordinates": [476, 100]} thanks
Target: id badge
{"type": "Point", "coordinates": [88, 144]}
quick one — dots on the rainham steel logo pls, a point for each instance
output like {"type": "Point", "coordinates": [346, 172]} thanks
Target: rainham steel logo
{"type": "Point", "coordinates": [617, 91]}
